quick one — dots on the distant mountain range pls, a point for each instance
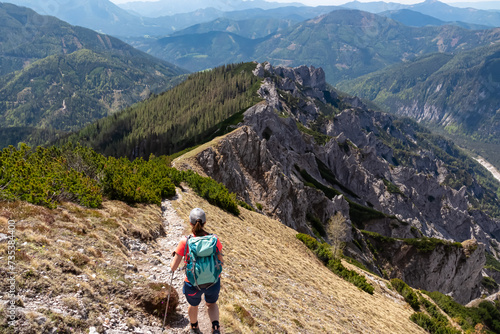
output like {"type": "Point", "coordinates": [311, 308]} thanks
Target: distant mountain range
{"type": "Point", "coordinates": [416, 19]}
{"type": "Point", "coordinates": [435, 9]}
{"type": "Point", "coordinates": [162, 18]}
{"type": "Point", "coordinates": [250, 28]}
{"type": "Point", "coordinates": [345, 43]}
{"type": "Point", "coordinates": [100, 15]}
{"type": "Point", "coordinates": [106, 17]}
{"type": "Point", "coordinates": [172, 7]}
{"type": "Point", "coordinates": [486, 5]}
{"type": "Point", "coordinates": [57, 76]}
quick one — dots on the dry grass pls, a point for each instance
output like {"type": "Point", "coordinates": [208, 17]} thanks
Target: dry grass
{"type": "Point", "coordinates": [273, 284]}
{"type": "Point", "coordinates": [74, 250]}
{"type": "Point", "coordinates": [188, 160]}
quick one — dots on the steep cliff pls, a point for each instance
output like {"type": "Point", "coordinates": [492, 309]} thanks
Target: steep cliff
{"type": "Point", "coordinates": [431, 264]}
{"type": "Point", "coordinates": [306, 153]}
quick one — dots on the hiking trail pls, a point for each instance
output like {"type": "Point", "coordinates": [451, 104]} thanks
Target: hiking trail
{"type": "Point", "coordinates": [175, 229]}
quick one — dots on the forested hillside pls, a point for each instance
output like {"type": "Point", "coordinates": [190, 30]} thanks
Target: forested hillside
{"type": "Point", "coordinates": [203, 106]}
{"type": "Point", "coordinates": [66, 92]}
{"type": "Point", "coordinates": [59, 77]}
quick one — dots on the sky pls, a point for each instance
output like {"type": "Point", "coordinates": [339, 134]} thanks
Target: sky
{"type": "Point", "coordinates": [327, 2]}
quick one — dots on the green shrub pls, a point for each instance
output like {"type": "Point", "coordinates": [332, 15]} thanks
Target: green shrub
{"type": "Point", "coordinates": [309, 241]}
{"type": "Point", "coordinates": [466, 317]}
{"type": "Point", "coordinates": [408, 294]}
{"type": "Point", "coordinates": [357, 264]}
{"type": "Point", "coordinates": [360, 214]}
{"type": "Point", "coordinates": [433, 311]}
{"type": "Point", "coordinates": [43, 176]}
{"type": "Point", "coordinates": [312, 182]}
{"type": "Point", "coordinates": [429, 244]}
{"type": "Point", "coordinates": [138, 181]}
{"type": "Point", "coordinates": [431, 325]}
{"type": "Point", "coordinates": [379, 237]}
{"type": "Point", "coordinates": [423, 320]}
{"type": "Point", "coordinates": [351, 276]}
{"type": "Point", "coordinates": [316, 224]}
{"type": "Point", "coordinates": [489, 283]}
{"type": "Point", "coordinates": [214, 192]}
{"type": "Point", "coordinates": [46, 176]}
{"type": "Point", "coordinates": [319, 138]}
{"type": "Point", "coordinates": [491, 262]}
{"type": "Point", "coordinates": [245, 205]}
{"type": "Point", "coordinates": [324, 253]}
{"type": "Point", "coordinates": [489, 315]}
{"type": "Point", "coordinates": [392, 188]}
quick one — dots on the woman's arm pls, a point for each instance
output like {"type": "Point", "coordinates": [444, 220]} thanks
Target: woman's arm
{"type": "Point", "coordinates": [175, 262]}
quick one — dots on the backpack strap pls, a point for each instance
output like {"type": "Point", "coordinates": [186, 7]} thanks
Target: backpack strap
{"type": "Point", "coordinates": [193, 260]}
{"type": "Point", "coordinates": [185, 247]}
{"type": "Point", "coordinates": [217, 262]}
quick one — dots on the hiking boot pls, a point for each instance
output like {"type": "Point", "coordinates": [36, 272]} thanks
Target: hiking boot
{"type": "Point", "coordinates": [195, 331]}
{"type": "Point", "coordinates": [215, 327]}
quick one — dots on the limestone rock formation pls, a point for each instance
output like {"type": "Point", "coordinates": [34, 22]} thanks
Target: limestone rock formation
{"type": "Point", "coordinates": [274, 159]}
{"type": "Point", "coordinates": [450, 269]}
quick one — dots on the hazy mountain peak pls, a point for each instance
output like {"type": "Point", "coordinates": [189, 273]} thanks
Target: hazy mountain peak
{"type": "Point", "coordinates": [172, 7]}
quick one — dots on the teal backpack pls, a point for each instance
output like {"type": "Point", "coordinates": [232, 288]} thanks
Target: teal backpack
{"type": "Point", "coordinates": [203, 266]}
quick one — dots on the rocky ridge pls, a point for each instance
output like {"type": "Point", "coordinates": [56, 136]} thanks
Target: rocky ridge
{"type": "Point", "coordinates": [268, 158]}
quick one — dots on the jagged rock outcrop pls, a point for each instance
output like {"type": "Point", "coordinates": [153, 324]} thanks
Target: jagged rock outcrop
{"type": "Point", "coordinates": [450, 269]}
{"type": "Point", "coordinates": [421, 199]}
{"type": "Point", "coordinates": [262, 171]}
{"type": "Point", "coordinates": [271, 160]}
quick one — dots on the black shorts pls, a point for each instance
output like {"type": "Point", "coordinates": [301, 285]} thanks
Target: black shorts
{"type": "Point", "coordinates": [193, 295]}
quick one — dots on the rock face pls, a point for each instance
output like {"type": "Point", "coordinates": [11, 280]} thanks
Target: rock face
{"type": "Point", "coordinates": [271, 160]}
{"type": "Point", "coordinates": [262, 171]}
{"type": "Point", "coordinates": [449, 269]}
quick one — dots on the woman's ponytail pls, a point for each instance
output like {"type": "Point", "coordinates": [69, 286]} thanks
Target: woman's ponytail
{"type": "Point", "coordinates": [197, 219]}
{"type": "Point", "coordinates": [197, 228]}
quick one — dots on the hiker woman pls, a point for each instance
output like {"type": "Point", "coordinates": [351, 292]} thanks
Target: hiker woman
{"type": "Point", "coordinates": [192, 290]}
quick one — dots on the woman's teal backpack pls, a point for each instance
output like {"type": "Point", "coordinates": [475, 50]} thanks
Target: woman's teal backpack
{"type": "Point", "coordinates": [203, 266]}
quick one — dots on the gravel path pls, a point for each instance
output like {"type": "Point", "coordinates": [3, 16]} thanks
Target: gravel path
{"type": "Point", "coordinates": [174, 228]}
{"type": "Point", "coordinates": [160, 272]}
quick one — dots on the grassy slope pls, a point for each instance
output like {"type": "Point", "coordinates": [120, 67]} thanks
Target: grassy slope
{"type": "Point", "coordinates": [289, 291]}
{"type": "Point", "coordinates": [263, 291]}
{"type": "Point", "coordinates": [49, 263]}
